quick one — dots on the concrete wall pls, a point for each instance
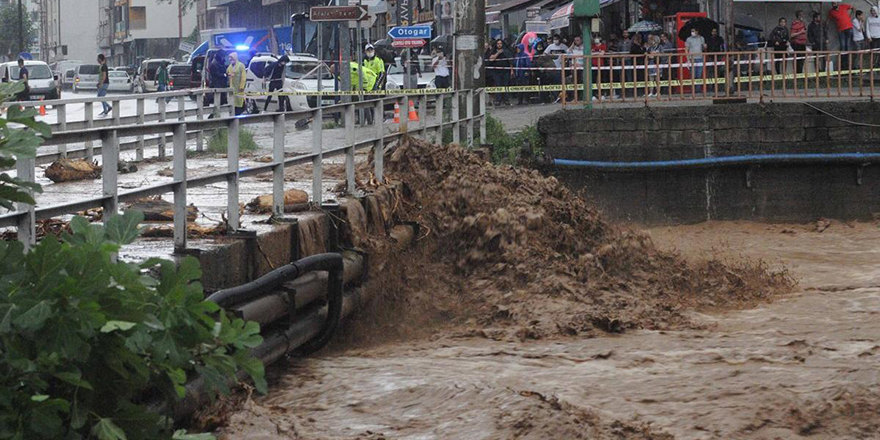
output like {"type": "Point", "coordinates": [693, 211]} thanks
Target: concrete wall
{"type": "Point", "coordinates": [771, 193]}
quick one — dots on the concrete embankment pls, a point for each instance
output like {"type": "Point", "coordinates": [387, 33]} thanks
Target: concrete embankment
{"type": "Point", "coordinates": [709, 164]}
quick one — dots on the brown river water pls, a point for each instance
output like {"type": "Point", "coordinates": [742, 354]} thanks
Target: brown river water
{"type": "Point", "coordinates": [804, 366]}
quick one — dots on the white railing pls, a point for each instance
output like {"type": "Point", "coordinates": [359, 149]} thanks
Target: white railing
{"type": "Point", "coordinates": [25, 218]}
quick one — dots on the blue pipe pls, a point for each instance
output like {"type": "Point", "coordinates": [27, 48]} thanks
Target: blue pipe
{"type": "Point", "coordinates": [713, 162]}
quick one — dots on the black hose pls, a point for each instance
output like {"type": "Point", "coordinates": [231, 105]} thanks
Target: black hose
{"type": "Point", "coordinates": [257, 288]}
{"type": "Point", "coordinates": [334, 265]}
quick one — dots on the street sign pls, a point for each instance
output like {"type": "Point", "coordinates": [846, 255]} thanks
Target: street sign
{"type": "Point", "coordinates": [338, 13]}
{"type": "Point", "coordinates": [408, 43]}
{"type": "Point", "coordinates": [186, 47]}
{"type": "Point", "coordinates": [409, 32]}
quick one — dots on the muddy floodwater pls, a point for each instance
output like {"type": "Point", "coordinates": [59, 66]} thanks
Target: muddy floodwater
{"type": "Point", "coordinates": [806, 365]}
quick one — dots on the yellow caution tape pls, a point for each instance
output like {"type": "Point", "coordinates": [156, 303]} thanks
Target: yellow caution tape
{"type": "Point", "coordinates": [398, 92]}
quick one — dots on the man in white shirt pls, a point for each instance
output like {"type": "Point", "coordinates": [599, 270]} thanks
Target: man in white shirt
{"type": "Point", "coordinates": [695, 45]}
{"type": "Point", "coordinates": [872, 33]}
{"type": "Point", "coordinates": [557, 48]}
{"type": "Point", "coordinates": [441, 70]}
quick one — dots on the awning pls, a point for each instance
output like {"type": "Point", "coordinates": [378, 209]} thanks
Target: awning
{"type": "Point", "coordinates": [561, 18]}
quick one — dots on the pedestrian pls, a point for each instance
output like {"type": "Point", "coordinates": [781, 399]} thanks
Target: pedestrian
{"type": "Point", "coordinates": [859, 42]}
{"type": "Point", "coordinates": [237, 74]}
{"type": "Point", "coordinates": [522, 72]}
{"type": "Point", "coordinates": [634, 72]}
{"type": "Point", "coordinates": [500, 65]}
{"type": "Point", "coordinates": [818, 40]}
{"type": "Point", "coordinates": [442, 75]}
{"type": "Point", "coordinates": [839, 14]}
{"type": "Point", "coordinates": [557, 47]}
{"type": "Point", "coordinates": [598, 49]}
{"type": "Point", "coordinates": [103, 82]}
{"type": "Point", "coordinates": [546, 70]}
{"type": "Point", "coordinates": [695, 45]}
{"type": "Point", "coordinates": [162, 81]}
{"type": "Point", "coordinates": [625, 43]}
{"type": "Point", "coordinates": [488, 52]}
{"type": "Point", "coordinates": [275, 74]}
{"type": "Point", "coordinates": [779, 39]}
{"type": "Point", "coordinates": [375, 64]}
{"type": "Point", "coordinates": [23, 76]}
{"type": "Point", "coordinates": [217, 77]}
{"type": "Point", "coordinates": [872, 33]}
{"type": "Point", "coordinates": [653, 48]}
{"type": "Point", "coordinates": [666, 72]}
{"type": "Point", "coordinates": [576, 50]}
{"type": "Point", "coordinates": [798, 39]}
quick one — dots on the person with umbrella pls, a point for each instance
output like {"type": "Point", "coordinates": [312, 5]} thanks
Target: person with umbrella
{"type": "Point", "coordinates": [695, 45]}
{"type": "Point", "coordinates": [779, 39]}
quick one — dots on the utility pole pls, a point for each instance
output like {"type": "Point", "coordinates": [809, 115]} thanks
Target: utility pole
{"type": "Point", "coordinates": [179, 21]}
{"type": "Point", "coordinates": [20, 27]}
{"type": "Point", "coordinates": [344, 68]}
{"type": "Point", "coordinates": [468, 40]}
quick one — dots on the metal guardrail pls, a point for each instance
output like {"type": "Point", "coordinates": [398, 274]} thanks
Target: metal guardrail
{"type": "Point", "coordinates": [24, 219]}
{"type": "Point", "coordinates": [60, 107]}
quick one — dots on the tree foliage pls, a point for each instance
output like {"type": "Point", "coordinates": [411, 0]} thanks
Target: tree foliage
{"type": "Point", "coordinates": [9, 29]}
{"type": "Point", "coordinates": [89, 344]}
{"type": "Point", "coordinates": [20, 135]}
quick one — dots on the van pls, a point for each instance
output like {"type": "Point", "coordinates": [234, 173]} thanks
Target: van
{"type": "Point", "coordinates": [146, 78]}
{"type": "Point", "coordinates": [86, 77]}
{"type": "Point", "coordinates": [43, 83]}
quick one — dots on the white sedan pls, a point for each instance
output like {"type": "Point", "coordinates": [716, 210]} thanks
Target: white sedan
{"type": "Point", "coordinates": [425, 79]}
{"type": "Point", "coordinates": [301, 75]}
{"type": "Point", "coordinates": [120, 82]}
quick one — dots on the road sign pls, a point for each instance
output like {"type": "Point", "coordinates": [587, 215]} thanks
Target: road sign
{"type": "Point", "coordinates": [408, 43]}
{"type": "Point", "coordinates": [338, 13]}
{"type": "Point", "coordinates": [409, 32]}
{"type": "Point", "coordinates": [186, 47]}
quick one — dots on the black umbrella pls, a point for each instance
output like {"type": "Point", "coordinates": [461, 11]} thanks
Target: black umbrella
{"type": "Point", "coordinates": [703, 25]}
{"type": "Point", "coordinates": [385, 42]}
{"type": "Point", "coordinates": [748, 22]}
{"type": "Point", "coordinates": [444, 40]}
{"type": "Point", "coordinates": [646, 27]}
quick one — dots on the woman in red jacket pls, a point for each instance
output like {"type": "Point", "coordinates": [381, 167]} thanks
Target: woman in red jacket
{"type": "Point", "coordinates": [798, 37]}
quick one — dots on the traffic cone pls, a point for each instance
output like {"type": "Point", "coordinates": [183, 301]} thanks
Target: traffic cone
{"type": "Point", "coordinates": [396, 113]}
{"type": "Point", "coordinates": [413, 115]}
{"type": "Point", "coordinates": [42, 109]}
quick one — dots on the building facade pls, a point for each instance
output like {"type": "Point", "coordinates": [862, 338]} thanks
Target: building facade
{"type": "Point", "coordinates": [131, 31]}
{"type": "Point", "coordinates": [67, 30]}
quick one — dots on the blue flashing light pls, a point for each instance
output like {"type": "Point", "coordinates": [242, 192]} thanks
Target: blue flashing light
{"type": "Point", "coordinates": [242, 47]}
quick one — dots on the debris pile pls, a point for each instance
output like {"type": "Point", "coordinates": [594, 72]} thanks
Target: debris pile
{"type": "Point", "coordinates": [512, 254]}
{"type": "Point", "coordinates": [70, 170]}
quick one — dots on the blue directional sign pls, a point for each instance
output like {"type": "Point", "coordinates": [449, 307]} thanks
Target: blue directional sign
{"type": "Point", "coordinates": [407, 32]}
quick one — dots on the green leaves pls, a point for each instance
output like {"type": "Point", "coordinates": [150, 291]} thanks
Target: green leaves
{"type": "Point", "coordinates": [105, 429]}
{"type": "Point", "coordinates": [85, 338]}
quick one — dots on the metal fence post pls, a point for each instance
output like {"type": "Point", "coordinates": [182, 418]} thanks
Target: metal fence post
{"type": "Point", "coordinates": [139, 153]}
{"type": "Point", "coordinates": [404, 114]}
{"type": "Point", "coordinates": [483, 116]}
{"type": "Point", "coordinates": [27, 227]}
{"type": "Point", "coordinates": [232, 208]}
{"type": "Point", "coordinates": [109, 162]}
{"type": "Point", "coordinates": [349, 152]}
{"type": "Point", "coordinates": [116, 111]}
{"type": "Point", "coordinates": [438, 109]}
{"type": "Point", "coordinates": [200, 115]}
{"type": "Point", "coordinates": [379, 146]}
{"type": "Point", "coordinates": [179, 187]}
{"type": "Point", "coordinates": [423, 115]}
{"type": "Point", "coordinates": [62, 124]}
{"type": "Point", "coordinates": [90, 123]}
{"type": "Point", "coordinates": [278, 169]}
{"type": "Point", "coordinates": [181, 107]}
{"type": "Point", "coordinates": [161, 102]}
{"type": "Point", "coordinates": [230, 101]}
{"type": "Point", "coordinates": [456, 118]}
{"type": "Point", "coordinates": [216, 109]}
{"type": "Point", "coordinates": [317, 148]}
{"type": "Point", "coordinates": [469, 112]}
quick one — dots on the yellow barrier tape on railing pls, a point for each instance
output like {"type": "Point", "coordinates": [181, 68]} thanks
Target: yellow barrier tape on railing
{"type": "Point", "coordinates": [398, 92]}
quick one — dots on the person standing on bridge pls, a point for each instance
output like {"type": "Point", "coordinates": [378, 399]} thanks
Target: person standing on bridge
{"type": "Point", "coordinates": [818, 40]}
{"type": "Point", "coordinates": [275, 73]}
{"type": "Point", "coordinates": [840, 15]}
{"type": "Point", "coordinates": [103, 82]}
{"type": "Point", "coordinates": [237, 75]}
{"type": "Point", "coordinates": [799, 40]}
{"type": "Point", "coordinates": [872, 33]}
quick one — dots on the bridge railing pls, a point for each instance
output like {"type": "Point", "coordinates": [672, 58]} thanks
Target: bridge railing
{"type": "Point", "coordinates": [61, 108]}
{"type": "Point", "coordinates": [474, 101]}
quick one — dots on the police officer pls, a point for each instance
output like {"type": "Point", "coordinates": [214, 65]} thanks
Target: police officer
{"type": "Point", "coordinates": [375, 64]}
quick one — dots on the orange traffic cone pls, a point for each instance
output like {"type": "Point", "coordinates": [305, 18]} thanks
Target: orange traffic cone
{"type": "Point", "coordinates": [413, 115]}
{"type": "Point", "coordinates": [42, 109]}
{"type": "Point", "coordinates": [396, 113]}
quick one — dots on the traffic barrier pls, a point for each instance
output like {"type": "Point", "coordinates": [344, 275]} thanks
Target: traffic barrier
{"type": "Point", "coordinates": [413, 115]}
{"type": "Point", "coordinates": [396, 113]}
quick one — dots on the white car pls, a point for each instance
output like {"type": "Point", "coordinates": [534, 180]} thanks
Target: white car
{"type": "Point", "coordinates": [120, 82]}
{"type": "Point", "coordinates": [42, 81]}
{"type": "Point", "coordinates": [425, 78]}
{"type": "Point", "coordinates": [86, 77]}
{"type": "Point", "coordinates": [301, 75]}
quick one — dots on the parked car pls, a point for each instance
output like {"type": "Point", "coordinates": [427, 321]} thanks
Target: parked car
{"type": "Point", "coordinates": [120, 82]}
{"type": "Point", "coordinates": [86, 77]}
{"type": "Point", "coordinates": [181, 77]}
{"type": "Point", "coordinates": [300, 75]}
{"type": "Point", "coordinates": [43, 83]}
{"type": "Point", "coordinates": [146, 78]}
{"type": "Point", "coordinates": [67, 79]}
{"type": "Point", "coordinates": [131, 71]}
{"type": "Point", "coordinates": [425, 77]}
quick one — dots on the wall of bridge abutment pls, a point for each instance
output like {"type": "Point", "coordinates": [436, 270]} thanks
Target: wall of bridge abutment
{"type": "Point", "coordinates": [786, 162]}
